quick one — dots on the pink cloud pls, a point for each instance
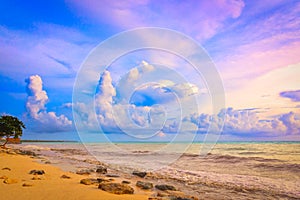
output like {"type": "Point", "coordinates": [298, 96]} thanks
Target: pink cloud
{"type": "Point", "coordinates": [258, 46]}
{"type": "Point", "coordinates": [200, 18]}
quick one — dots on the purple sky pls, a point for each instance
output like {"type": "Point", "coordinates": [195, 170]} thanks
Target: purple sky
{"type": "Point", "coordinates": [255, 46]}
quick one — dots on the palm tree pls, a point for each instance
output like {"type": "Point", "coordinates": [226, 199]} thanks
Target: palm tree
{"type": "Point", "coordinates": [10, 126]}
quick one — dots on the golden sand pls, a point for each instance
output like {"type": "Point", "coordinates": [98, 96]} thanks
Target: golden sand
{"type": "Point", "coordinates": [51, 186]}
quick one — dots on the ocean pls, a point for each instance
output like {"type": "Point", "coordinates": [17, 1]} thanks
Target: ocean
{"type": "Point", "coordinates": [255, 170]}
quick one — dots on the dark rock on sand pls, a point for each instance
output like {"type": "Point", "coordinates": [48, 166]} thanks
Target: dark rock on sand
{"type": "Point", "coordinates": [144, 185]}
{"type": "Point", "coordinates": [164, 187]}
{"type": "Point", "coordinates": [37, 172]}
{"type": "Point", "coordinates": [6, 168]}
{"type": "Point", "coordinates": [116, 188]}
{"type": "Point", "coordinates": [112, 175]}
{"type": "Point", "coordinates": [65, 176]}
{"type": "Point", "coordinates": [28, 153]}
{"type": "Point", "coordinates": [101, 170]}
{"type": "Point", "coordinates": [89, 181]}
{"type": "Point", "coordinates": [37, 178]}
{"type": "Point", "coordinates": [139, 174]}
{"type": "Point", "coordinates": [85, 171]}
{"type": "Point", "coordinates": [175, 195]}
{"type": "Point", "coordinates": [102, 180]}
{"type": "Point", "coordinates": [126, 182]}
{"type": "Point", "coordinates": [27, 185]}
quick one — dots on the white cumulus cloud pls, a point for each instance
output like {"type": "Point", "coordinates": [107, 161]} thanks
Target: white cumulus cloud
{"type": "Point", "coordinates": [247, 122]}
{"type": "Point", "coordinates": [104, 99]}
{"type": "Point", "coordinates": [36, 108]}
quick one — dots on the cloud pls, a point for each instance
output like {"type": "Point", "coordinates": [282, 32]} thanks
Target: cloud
{"type": "Point", "coordinates": [247, 123]}
{"type": "Point", "coordinates": [139, 113]}
{"type": "Point", "coordinates": [260, 41]}
{"type": "Point", "coordinates": [293, 95]}
{"type": "Point", "coordinates": [104, 99]}
{"type": "Point", "coordinates": [149, 95]}
{"type": "Point", "coordinates": [37, 111]}
{"type": "Point", "coordinates": [292, 122]}
{"type": "Point", "coordinates": [146, 108]}
{"type": "Point", "coordinates": [136, 72]}
{"type": "Point", "coordinates": [150, 87]}
{"type": "Point", "coordinates": [49, 50]}
{"type": "Point", "coordinates": [201, 18]}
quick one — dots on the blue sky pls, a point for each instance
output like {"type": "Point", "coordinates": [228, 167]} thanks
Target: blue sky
{"type": "Point", "coordinates": [254, 45]}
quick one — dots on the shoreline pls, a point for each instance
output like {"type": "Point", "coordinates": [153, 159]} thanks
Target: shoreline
{"type": "Point", "coordinates": [15, 168]}
{"type": "Point", "coordinates": [216, 176]}
{"type": "Point", "coordinates": [16, 179]}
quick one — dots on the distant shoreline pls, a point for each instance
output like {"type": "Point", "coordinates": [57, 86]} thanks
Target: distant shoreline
{"type": "Point", "coordinates": [156, 142]}
{"type": "Point", "coordinates": [58, 141]}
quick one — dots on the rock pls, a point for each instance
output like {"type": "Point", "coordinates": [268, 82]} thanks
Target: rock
{"type": "Point", "coordinates": [28, 153]}
{"type": "Point", "coordinates": [101, 170]}
{"type": "Point", "coordinates": [101, 180]}
{"type": "Point", "coordinates": [116, 188]}
{"type": "Point", "coordinates": [126, 182]}
{"type": "Point", "coordinates": [6, 168]}
{"type": "Point", "coordinates": [112, 175]}
{"type": "Point", "coordinates": [182, 198]}
{"type": "Point", "coordinates": [47, 162]}
{"type": "Point", "coordinates": [139, 174]}
{"type": "Point", "coordinates": [10, 181]}
{"type": "Point", "coordinates": [37, 178]}
{"type": "Point", "coordinates": [144, 185]}
{"type": "Point", "coordinates": [175, 195]}
{"type": "Point", "coordinates": [65, 176]}
{"type": "Point", "coordinates": [85, 172]}
{"type": "Point", "coordinates": [27, 185]}
{"type": "Point", "coordinates": [164, 187]}
{"type": "Point", "coordinates": [37, 172]}
{"type": "Point", "coordinates": [162, 194]}
{"type": "Point", "coordinates": [89, 181]}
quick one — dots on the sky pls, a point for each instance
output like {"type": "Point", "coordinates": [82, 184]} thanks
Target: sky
{"type": "Point", "coordinates": [53, 78]}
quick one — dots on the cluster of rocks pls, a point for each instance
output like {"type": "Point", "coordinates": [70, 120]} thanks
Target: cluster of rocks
{"type": "Point", "coordinates": [107, 183]}
{"type": "Point", "coordinates": [161, 191]}
{"type": "Point", "coordinates": [37, 172]}
{"type": "Point", "coordinates": [164, 191]}
{"type": "Point", "coordinates": [108, 186]}
{"type": "Point", "coordinates": [101, 169]}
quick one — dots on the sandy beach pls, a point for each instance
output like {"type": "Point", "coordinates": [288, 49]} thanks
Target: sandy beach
{"type": "Point", "coordinates": [231, 171]}
{"type": "Point", "coordinates": [15, 170]}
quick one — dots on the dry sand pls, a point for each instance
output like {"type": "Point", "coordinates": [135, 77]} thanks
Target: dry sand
{"type": "Point", "coordinates": [51, 186]}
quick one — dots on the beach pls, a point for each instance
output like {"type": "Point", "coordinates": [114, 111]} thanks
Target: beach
{"type": "Point", "coordinates": [51, 185]}
{"type": "Point", "coordinates": [230, 171]}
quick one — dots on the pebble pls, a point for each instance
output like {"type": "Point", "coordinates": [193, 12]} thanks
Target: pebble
{"type": "Point", "coordinates": [27, 185]}
{"type": "Point", "coordinates": [65, 176]}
